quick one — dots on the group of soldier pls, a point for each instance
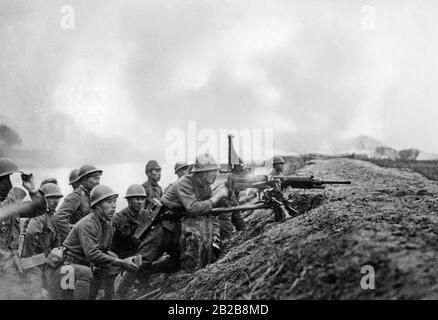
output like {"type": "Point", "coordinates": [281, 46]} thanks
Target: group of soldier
{"type": "Point", "coordinates": [86, 244]}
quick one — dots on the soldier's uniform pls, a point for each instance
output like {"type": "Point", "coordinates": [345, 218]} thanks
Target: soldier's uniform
{"type": "Point", "coordinates": [75, 206]}
{"type": "Point", "coordinates": [41, 235]}
{"type": "Point", "coordinates": [153, 190]}
{"type": "Point", "coordinates": [189, 196]}
{"type": "Point", "coordinates": [125, 223]}
{"type": "Point", "coordinates": [229, 219]}
{"type": "Point", "coordinates": [86, 250]}
{"type": "Point", "coordinates": [275, 172]}
{"type": "Point", "coordinates": [163, 235]}
{"type": "Point", "coordinates": [13, 284]}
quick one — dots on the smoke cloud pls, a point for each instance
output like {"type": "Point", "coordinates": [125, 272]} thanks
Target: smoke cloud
{"type": "Point", "coordinates": [130, 71]}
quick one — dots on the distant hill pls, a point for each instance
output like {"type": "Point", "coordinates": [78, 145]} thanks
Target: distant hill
{"type": "Point", "coordinates": [427, 156]}
{"type": "Point", "coordinates": [372, 148]}
{"type": "Point", "coordinates": [363, 144]}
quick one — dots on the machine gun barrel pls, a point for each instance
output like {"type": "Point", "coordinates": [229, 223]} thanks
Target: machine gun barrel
{"type": "Point", "coordinates": [335, 182]}
{"type": "Point", "coordinates": [306, 182]}
{"type": "Point", "coordinates": [265, 181]}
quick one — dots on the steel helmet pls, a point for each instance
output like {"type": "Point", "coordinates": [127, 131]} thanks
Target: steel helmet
{"type": "Point", "coordinates": [205, 162]}
{"type": "Point", "coordinates": [135, 190]}
{"type": "Point", "coordinates": [51, 190]}
{"type": "Point", "coordinates": [87, 169]}
{"type": "Point", "coordinates": [48, 180]}
{"type": "Point", "coordinates": [278, 159]}
{"type": "Point", "coordinates": [99, 193]}
{"type": "Point", "coordinates": [181, 165]}
{"type": "Point", "coordinates": [151, 165]}
{"type": "Point", "coordinates": [73, 177]}
{"type": "Point", "coordinates": [7, 167]}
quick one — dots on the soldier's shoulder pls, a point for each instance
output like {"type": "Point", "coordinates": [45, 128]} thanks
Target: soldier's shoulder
{"type": "Point", "coordinates": [75, 194]}
{"type": "Point", "coordinates": [184, 180]}
{"type": "Point", "coordinates": [37, 219]}
{"type": "Point", "coordinates": [121, 213]}
{"type": "Point", "coordinates": [85, 221]}
{"type": "Point", "coordinates": [185, 183]}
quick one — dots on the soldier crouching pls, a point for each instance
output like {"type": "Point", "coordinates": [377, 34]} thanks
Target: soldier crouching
{"type": "Point", "coordinates": [193, 195]}
{"type": "Point", "coordinates": [84, 265]}
{"type": "Point", "coordinates": [16, 281]}
{"type": "Point", "coordinates": [189, 199]}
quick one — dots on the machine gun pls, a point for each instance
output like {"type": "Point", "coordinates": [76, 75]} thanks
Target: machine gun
{"type": "Point", "coordinates": [271, 188]}
{"type": "Point", "coordinates": [266, 181]}
{"type": "Point", "coordinates": [272, 198]}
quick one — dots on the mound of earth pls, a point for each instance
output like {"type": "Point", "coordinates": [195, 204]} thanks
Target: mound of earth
{"type": "Point", "coordinates": [386, 219]}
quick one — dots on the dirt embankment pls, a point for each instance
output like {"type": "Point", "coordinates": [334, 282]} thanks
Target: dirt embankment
{"type": "Point", "coordinates": [387, 219]}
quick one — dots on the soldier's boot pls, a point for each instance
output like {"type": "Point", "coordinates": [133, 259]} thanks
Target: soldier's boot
{"type": "Point", "coordinates": [127, 281]}
{"type": "Point", "coordinates": [82, 290]}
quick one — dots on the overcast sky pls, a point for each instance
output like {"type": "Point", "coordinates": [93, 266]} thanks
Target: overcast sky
{"type": "Point", "coordinates": [135, 69]}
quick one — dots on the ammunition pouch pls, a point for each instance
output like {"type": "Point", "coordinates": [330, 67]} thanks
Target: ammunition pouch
{"type": "Point", "coordinates": [69, 258]}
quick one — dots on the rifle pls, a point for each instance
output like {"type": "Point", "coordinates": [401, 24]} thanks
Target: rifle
{"type": "Point", "coordinates": [30, 262]}
{"type": "Point", "coordinates": [22, 238]}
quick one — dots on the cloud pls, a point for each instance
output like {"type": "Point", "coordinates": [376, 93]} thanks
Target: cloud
{"type": "Point", "coordinates": [139, 68]}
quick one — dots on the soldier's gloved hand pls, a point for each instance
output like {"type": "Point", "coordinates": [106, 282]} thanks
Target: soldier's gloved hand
{"type": "Point", "coordinates": [30, 185]}
{"type": "Point", "coordinates": [127, 264]}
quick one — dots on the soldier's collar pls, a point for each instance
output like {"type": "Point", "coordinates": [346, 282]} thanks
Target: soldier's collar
{"type": "Point", "coordinates": [83, 189]}
{"type": "Point", "coordinates": [101, 217]}
{"type": "Point", "coordinates": [197, 181]}
{"type": "Point", "coordinates": [131, 213]}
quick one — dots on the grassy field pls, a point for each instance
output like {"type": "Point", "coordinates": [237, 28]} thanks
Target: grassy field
{"type": "Point", "coordinates": [429, 169]}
